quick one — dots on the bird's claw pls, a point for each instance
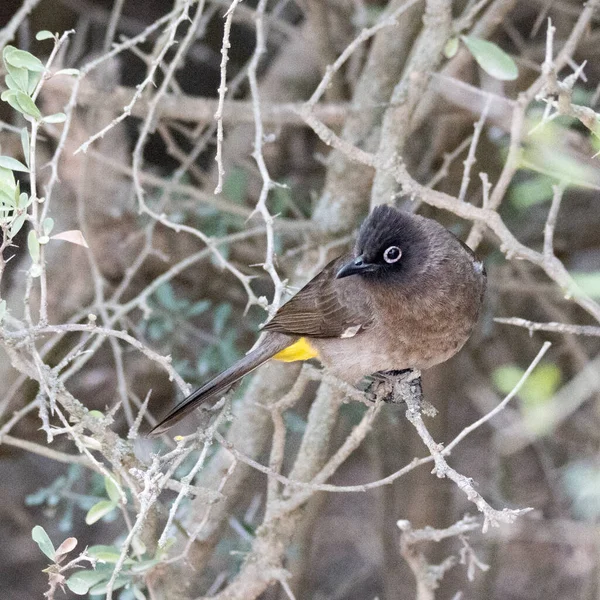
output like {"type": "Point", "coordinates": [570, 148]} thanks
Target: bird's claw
{"type": "Point", "coordinates": [395, 386]}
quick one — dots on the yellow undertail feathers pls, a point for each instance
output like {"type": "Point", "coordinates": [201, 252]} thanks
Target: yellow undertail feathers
{"type": "Point", "coordinates": [300, 350]}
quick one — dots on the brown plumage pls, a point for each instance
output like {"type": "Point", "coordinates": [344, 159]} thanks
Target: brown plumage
{"type": "Point", "coordinates": [407, 296]}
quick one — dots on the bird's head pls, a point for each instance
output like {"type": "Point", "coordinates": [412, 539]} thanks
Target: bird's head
{"type": "Point", "coordinates": [390, 244]}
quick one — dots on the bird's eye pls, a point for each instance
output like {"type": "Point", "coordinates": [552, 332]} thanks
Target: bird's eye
{"type": "Point", "coordinates": [392, 254]}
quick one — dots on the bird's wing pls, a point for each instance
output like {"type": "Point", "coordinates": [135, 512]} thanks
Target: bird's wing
{"type": "Point", "coordinates": [325, 307]}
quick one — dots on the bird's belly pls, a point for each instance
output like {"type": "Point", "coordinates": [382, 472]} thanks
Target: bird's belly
{"type": "Point", "coordinates": [379, 349]}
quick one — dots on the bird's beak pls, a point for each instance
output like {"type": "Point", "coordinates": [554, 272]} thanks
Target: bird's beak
{"type": "Point", "coordinates": [354, 267]}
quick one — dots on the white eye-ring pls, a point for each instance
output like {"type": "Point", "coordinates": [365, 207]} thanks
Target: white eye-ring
{"type": "Point", "coordinates": [392, 254]}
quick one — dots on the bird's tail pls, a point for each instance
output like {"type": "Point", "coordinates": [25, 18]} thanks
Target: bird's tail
{"type": "Point", "coordinates": [271, 345]}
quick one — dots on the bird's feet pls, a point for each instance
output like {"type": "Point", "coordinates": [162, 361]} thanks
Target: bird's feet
{"type": "Point", "coordinates": [395, 386]}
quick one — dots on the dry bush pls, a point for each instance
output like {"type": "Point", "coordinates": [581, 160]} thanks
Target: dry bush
{"type": "Point", "coordinates": [211, 156]}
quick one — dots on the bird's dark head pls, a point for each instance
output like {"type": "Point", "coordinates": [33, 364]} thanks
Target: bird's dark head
{"type": "Point", "coordinates": [390, 244]}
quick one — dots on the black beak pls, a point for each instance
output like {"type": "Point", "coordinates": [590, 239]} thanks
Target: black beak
{"type": "Point", "coordinates": [355, 267]}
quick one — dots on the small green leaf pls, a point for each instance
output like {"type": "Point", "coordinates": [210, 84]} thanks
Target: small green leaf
{"type": "Point", "coordinates": [539, 387]}
{"type": "Point", "coordinates": [11, 84]}
{"type": "Point", "coordinates": [23, 59]}
{"type": "Point", "coordinates": [19, 78]}
{"type": "Point", "coordinates": [24, 200]}
{"type": "Point", "coordinates": [43, 240]}
{"type": "Point", "coordinates": [81, 581]}
{"type": "Point", "coordinates": [491, 58]}
{"type": "Point", "coordinates": [144, 565]}
{"type": "Point", "coordinates": [198, 308]}
{"type": "Point", "coordinates": [48, 225]}
{"type": "Point", "coordinates": [99, 510]}
{"type": "Point", "coordinates": [25, 144]}
{"type": "Point", "coordinates": [589, 283]}
{"type": "Point", "coordinates": [7, 196]}
{"type": "Point", "coordinates": [44, 35]}
{"type": "Point", "coordinates": [10, 96]}
{"type": "Point", "coordinates": [107, 554]}
{"type": "Point", "coordinates": [34, 246]}
{"type": "Point", "coordinates": [534, 190]}
{"type": "Point", "coordinates": [33, 78]}
{"type": "Point", "coordinates": [451, 47]}
{"type": "Point", "coordinates": [102, 588]}
{"type": "Point", "coordinates": [112, 490]}
{"type": "Point", "coordinates": [27, 105]}
{"type": "Point", "coordinates": [8, 162]}
{"type": "Point", "coordinates": [41, 538]}
{"type": "Point", "coordinates": [220, 315]}
{"type": "Point", "coordinates": [17, 224]}
{"type": "Point", "coordinates": [235, 185]}
{"type": "Point", "coordinates": [55, 118]}
{"type": "Point", "coordinates": [7, 178]}
{"type": "Point", "coordinates": [2, 310]}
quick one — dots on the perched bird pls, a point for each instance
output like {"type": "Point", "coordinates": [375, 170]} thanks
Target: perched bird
{"type": "Point", "coordinates": [406, 297]}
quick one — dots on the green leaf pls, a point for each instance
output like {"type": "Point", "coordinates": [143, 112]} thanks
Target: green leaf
{"type": "Point", "coordinates": [540, 386]}
{"type": "Point", "coordinates": [235, 185]}
{"type": "Point", "coordinates": [11, 83]}
{"type": "Point", "coordinates": [112, 490]}
{"type": "Point", "coordinates": [2, 310]}
{"type": "Point", "coordinates": [81, 581]}
{"type": "Point", "coordinates": [34, 246]}
{"type": "Point", "coordinates": [532, 191]}
{"type": "Point", "coordinates": [8, 162]}
{"type": "Point", "coordinates": [198, 308]}
{"type": "Point", "coordinates": [19, 78]}
{"type": "Point", "coordinates": [7, 196]}
{"type": "Point", "coordinates": [10, 96]}
{"type": "Point", "coordinates": [107, 554]}
{"type": "Point", "coordinates": [55, 118]}
{"type": "Point", "coordinates": [22, 59]}
{"type": "Point", "coordinates": [48, 225]}
{"type": "Point", "coordinates": [589, 283]}
{"type": "Point", "coordinates": [27, 105]}
{"type": "Point", "coordinates": [142, 566]}
{"type": "Point", "coordinates": [25, 144]}
{"type": "Point", "coordinates": [99, 510]}
{"type": "Point", "coordinates": [451, 47]}
{"type": "Point", "coordinates": [33, 78]}
{"type": "Point", "coordinates": [24, 200]}
{"type": "Point", "coordinates": [101, 588]}
{"type": "Point", "coordinates": [17, 224]}
{"type": "Point", "coordinates": [492, 59]}
{"type": "Point", "coordinates": [44, 35]}
{"type": "Point", "coordinates": [7, 179]}
{"type": "Point", "coordinates": [41, 538]}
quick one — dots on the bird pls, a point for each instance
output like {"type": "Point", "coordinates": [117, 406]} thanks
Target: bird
{"type": "Point", "coordinates": [407, 296]}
